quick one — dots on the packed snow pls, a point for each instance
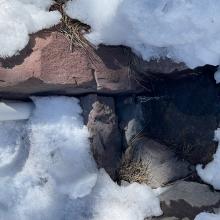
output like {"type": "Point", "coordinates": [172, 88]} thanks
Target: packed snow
{"type": "Point", "coordinates": [19, 18]}
{"type": "Point", "coordinates": [185, 30]}
{"type": "Point", "coordinates": [47, 171]}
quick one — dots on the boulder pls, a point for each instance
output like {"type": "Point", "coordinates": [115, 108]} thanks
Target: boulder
{"type": "Point", "coordinates": [184, 200]}
{"type": "Point", "coordinates": [102, 122]}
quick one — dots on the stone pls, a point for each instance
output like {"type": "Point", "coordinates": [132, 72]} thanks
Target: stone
{"type": "Point", "coordinates": [152, 163]}
{"type": "Point", "coordinates": [184, 200]}
{"type": "Point", "coordinates": [183, 115]}
{"type": "Point", "coordinates": [48, 66]}
{"type": "Point", "coordinates": [102, 122]}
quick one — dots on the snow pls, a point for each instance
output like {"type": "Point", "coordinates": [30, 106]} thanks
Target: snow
{"type": "Point", "coordinates": [19, 18]}
{"type": "Point", "coordinates": [47, 171]}
{"type": "Point", "coordinates": [185, 30]}
{"type": "Point", "coordinates": [210, 174]}
{"type": "Point", "coordinates": [217, 76]}
{"type": "Point", "coordinates": [207, 216]}
{"type": "Point", "coordinates": [14, 110]}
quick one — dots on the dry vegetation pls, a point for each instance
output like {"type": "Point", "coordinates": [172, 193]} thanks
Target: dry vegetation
{"type": "Point", "coordinates": [72, 29]}
{"type": "Point", "coordinates": [132, 171]}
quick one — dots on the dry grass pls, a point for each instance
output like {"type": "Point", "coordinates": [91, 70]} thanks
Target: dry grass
{"type": "Point", "coordinates": [134, 171]}
{"type": "Point", "coordinates": [73, 30]}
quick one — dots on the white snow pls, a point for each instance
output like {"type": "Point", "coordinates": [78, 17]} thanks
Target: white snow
{"type": "Point", "coordinates": [217, 76]}
{"type": "Point", "coordinates": [184, 30]}
{"type": "Point", "coordinates": [47, 171]}
{"type": "Point", "coordinates": [19, 18]}
{"type": "Point", "coordinates": [207, 216]}
{"type": "Point", "coordinates": [14, 110]}
{"type": "Point", "coordinates": [210, 174]}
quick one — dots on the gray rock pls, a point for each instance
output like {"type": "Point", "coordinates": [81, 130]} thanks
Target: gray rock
{"type": "Point", "coordinates": [153, 163]}
{"type": "Point", "coordinates": [100, 117]}
{"type": "Point", "coordinates": [184, 200]}
{"type": "Point", "coordinates": [185, 116]}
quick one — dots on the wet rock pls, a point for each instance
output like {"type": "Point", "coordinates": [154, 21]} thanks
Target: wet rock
{"type": "Point", "coordinates": [100, 117]}
{"type": "Point", "coordinates": [152, 163]}
{"type": "Point", "coordinates": [184, 200]}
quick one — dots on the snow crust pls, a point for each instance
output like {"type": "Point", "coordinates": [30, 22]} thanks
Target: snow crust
{"type": "Point", "coordinates": [19, 18]}
{"type": "Point", "coordinates": [13, 110]}
{"type": "Point", "coordinates": [185, 30]}
{"type": "Point", "coordinates": [47, 171]}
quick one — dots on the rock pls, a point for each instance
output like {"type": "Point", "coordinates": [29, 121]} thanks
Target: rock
{"type": "Point", "coordinates": [100, 117]}
{"type": "Point", "coordinates": [160, 66]}
{"type": "Point", "coordinates": [184, 200]}
{"type": "Point", "coordinates": [183, 115]}
{"type": "Point", "coordinates": [131, 120]}
{"type": "Point", "coordinates": [152, 163]}
{"type": "Point", "coordinates": [47, 66]}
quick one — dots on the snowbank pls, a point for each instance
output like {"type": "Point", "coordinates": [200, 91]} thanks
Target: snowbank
{"type": "Point", "coordinates": [14, 110]}
{"type": "Point", "coordinates": [47, 171]}
{"type": "Point", "coordinates": [19, 18]}
{"type": "Point", "coordinates": [183, 30]}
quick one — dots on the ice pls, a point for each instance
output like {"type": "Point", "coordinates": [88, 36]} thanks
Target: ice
{"type": "Point", "coordinates": [185, 30]}
{"type": "Point", "coordinates": [19, 18]}
{"type": "Point", "coordinates": [47, 171]}
{"type": "Point", "coordinates": [14, 110]}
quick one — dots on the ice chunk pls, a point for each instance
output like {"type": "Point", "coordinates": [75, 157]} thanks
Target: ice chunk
{"type": "Point", "coordinates": [15, 110]}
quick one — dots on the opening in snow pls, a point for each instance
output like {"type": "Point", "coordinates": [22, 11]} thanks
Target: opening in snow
{"type": "Point", "coordinates": [47, 171]}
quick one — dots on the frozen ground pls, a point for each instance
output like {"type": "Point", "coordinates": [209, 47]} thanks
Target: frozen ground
{"type": "Point", "coordinates": [184, 30]}
{"type": "Point", "coordinates": [47, 171]}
